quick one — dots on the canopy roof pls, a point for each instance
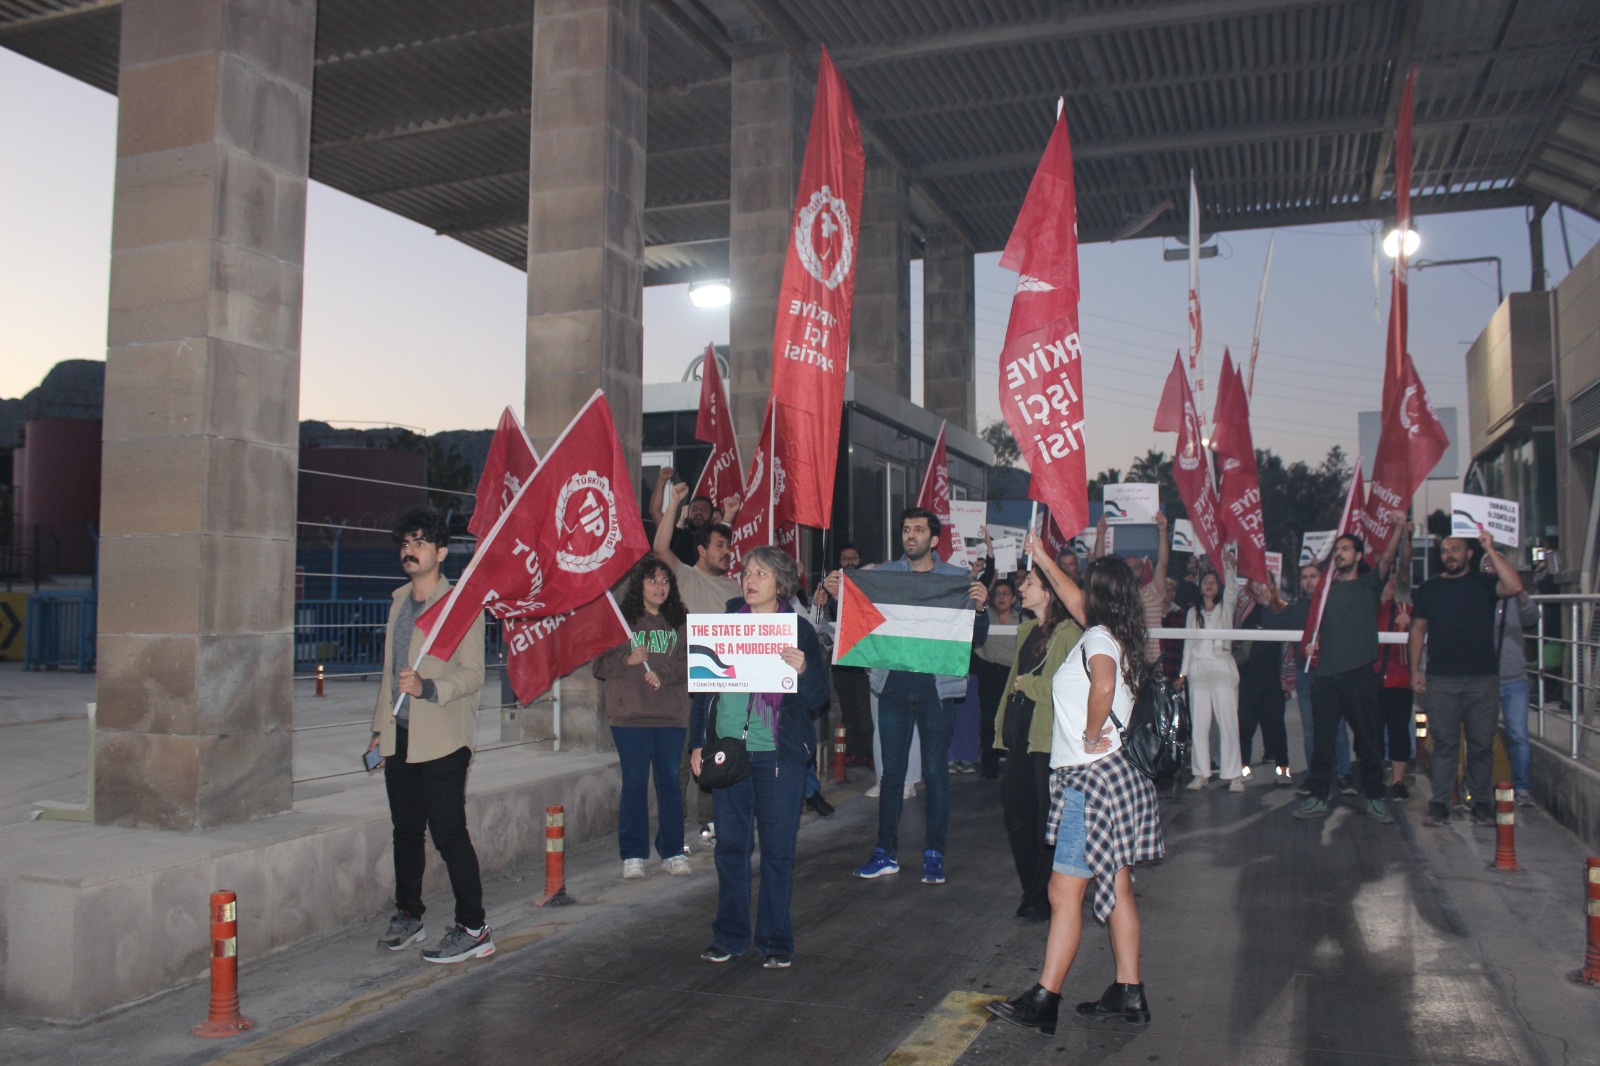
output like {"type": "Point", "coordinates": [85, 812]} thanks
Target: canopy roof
{"type": "Point", "coordinates": [1284, 109]}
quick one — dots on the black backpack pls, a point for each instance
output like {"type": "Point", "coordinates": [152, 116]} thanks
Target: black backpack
{"type": "Point", "coordinates": [1155, 739]}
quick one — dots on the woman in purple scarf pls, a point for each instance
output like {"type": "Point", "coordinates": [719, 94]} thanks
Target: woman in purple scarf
{"type": "Point", "coordinates": [779, 737]}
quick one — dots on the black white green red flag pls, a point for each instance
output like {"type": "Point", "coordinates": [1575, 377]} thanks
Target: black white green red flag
{"type": "Point", "coordinates": [898, 620]}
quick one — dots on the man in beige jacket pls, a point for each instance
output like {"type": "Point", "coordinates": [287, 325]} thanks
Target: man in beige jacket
{"type": "Point", "coordinates": [426, 743]}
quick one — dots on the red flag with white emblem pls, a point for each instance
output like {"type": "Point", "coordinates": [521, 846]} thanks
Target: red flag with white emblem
{"type": "Point", "coordinates": [720, 479]}
{"type": "Point", "coordinates": [570, 534]}
{"type": "Point", "coordinates": [511, 462]}
{"type": "Point", "coordinates": [763, 488]}
{"type": "Point", "coordinates": [540, 650]}
{"type": "Point", "coordinates": [812, 336]}
{"type": "Point", "coordinates": [1041, 372]}
{"type": "Point", "coordinates": [1178, 414]}
{"type": "Point", "coordinates": [934, 496]}
{"type": "Point", "coordinates": [1240, 492]}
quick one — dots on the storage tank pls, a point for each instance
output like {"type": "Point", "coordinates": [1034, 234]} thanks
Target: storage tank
{"type": "Point", "coordinates": [59, 512]}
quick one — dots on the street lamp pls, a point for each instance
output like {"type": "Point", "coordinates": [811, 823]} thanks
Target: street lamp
{"type": "Point", "coordinates": [1392, 240]}
{"type": "Point", "coordinates": [710, 293]}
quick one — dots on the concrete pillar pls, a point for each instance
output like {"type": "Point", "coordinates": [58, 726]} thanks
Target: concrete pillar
{"type": "Point", "coordinates": [949, 377]}
{"type": "Point", "coordinates": [771, 111]}
{"type": "Point", "coordinates": [201, 410]}
{"type": "Point", "coordinates": [585, 251]}
{"type": "Point", "coordinates": [880, 324]}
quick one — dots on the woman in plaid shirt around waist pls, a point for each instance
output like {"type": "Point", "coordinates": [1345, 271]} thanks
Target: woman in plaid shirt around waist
{"type": "Point", "coordinates": [1103, 813]}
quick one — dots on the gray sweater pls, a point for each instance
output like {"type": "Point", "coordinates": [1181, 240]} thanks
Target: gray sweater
{"type": "Point", "coordinates": [1517, 615]}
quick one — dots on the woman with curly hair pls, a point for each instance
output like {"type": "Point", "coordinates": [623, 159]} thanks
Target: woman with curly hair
{"type": "Point", "coordinates": [1103, 810]}
{"type": "Point", "coordinates": [646, 700]}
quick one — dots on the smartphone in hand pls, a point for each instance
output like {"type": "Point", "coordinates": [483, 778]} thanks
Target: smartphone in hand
{"type": "Point", "coordinates": [370, 759]}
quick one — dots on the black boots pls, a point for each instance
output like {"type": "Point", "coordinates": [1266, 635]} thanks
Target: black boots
{"type": "Point", "coordinates": [1120, 1001]}
{"type": "Point", "coordinates": [1034, 1009]}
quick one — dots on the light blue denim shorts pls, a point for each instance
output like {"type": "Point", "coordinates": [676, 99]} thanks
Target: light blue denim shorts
{"type": "Point", "coordinates": [1071, 837]}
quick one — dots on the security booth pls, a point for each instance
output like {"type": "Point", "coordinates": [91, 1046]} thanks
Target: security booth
{"type": "Point", "coordinates": [885, 443]}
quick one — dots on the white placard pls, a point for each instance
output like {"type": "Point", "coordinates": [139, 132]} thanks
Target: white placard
{"type": "Point", "coordinates": [1275, 567]}
{"type": "Point", "coordinates": [1469, 513]}
{"type": "Point", "coordinates": [1083, 544]}
{"type": "Point", "coordinates": [1006, 552]}
{"type": "Point", "coordinates": [1314, 547]}
{"type": "Point", "coordinates": [740, 652]}
{"type": "Point", "coordinates": [1183, 536]}
{"type": "Point", "coordinates": [1130, 502]}
{"type": "Point", "coordinates": [969, 517]}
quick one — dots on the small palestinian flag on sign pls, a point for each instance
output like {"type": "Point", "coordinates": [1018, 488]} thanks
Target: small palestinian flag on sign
{"type": "Point", "coordinates": [897, 620]}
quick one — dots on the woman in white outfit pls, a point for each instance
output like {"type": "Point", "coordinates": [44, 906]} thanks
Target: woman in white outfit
{"type": "Point", "coordinates": [1214, 680]}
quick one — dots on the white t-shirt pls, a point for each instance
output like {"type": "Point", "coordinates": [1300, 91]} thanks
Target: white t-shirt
{"type": "Point", "coordinates": [1069, 690]}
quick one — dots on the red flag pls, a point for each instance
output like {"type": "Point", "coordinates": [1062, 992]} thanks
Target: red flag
{"type": "Point", "coordinates": [935, 495]}
{"type": "Point", "coordinates": [1050, 535]}
{"type": "Point", "coordinates": [1240, 492]}
{"type": "Point", "coordinates": [758, 515]}
{"type": "Point", "coordinates": [510, 464]}
{"type": "Point", "coordinates": [1410, 443]}
{"type": "Point", "coordinates": [570, 534]}
{"type": "Point", "coordinates": [1349, 522]}
{"type": "Point", "coordinates": [812, 335]}
{"type": "Point", "coordinates": [1178, 414]}
{"type": "Point", "coordinates": [540, 650]}
{"type": "Point", "coordinates": [1392, 372]}
{"type": "Point", "coordinates": [720, 478]}
{"type": "Point", "coordinates": [1041, 370]}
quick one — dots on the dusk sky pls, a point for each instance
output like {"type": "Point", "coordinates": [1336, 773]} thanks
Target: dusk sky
{"type": "Point", "coordinates": [401, 326]}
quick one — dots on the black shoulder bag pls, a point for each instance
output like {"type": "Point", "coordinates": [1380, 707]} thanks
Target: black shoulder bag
{"type": "Point", "coordinates": [725, 761]}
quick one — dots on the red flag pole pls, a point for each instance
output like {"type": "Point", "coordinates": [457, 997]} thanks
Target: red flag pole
{"type": "Point", "coordinates": [1351, 510]}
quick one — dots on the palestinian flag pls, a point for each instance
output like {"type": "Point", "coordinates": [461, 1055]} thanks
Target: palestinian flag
{"type": "Point", "coordinates": [897, 620]}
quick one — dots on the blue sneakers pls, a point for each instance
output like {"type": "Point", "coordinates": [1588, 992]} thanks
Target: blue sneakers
{"type": "Point", "coordinates": [881, 863]}
{"type": "Point", "coordinates": [933, 867]}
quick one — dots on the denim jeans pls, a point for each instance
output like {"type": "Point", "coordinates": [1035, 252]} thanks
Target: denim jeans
{"type": "Point", "coordinates": [935, 720]}
{"type": "Point", "coordinates": [1514, 715]}
{"type": "Point", "coordinates": [433, 796]}
{"type": "Point", "coordinates": [1308, 729]}
{"type": "Point", "coordinates": [643, 750]}
{"type": "Point", "coordinates": [768, 802]}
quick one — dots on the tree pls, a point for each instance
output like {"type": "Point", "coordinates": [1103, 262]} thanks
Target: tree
{"type": "Point", "coordinates": [998, 436]}
{"type": "Point", "coordinates": [448, 473]}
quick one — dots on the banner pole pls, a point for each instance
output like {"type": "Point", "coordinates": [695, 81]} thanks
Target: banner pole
{"type": "Point", "coordinates": [1033, 527]}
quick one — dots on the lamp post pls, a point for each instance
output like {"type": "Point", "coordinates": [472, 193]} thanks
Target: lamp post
{"type": "Point", "coordinates": [1499, 282]}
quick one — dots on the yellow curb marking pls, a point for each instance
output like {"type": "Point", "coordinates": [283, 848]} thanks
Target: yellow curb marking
{"type": "Point", "coordinates": [946, 1032]}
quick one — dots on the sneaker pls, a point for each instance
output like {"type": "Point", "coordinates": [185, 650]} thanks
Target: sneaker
{"type": "Point", "coordinates": [823, 808]}
{"type": "Point", "coordinates": [955, 766]}
{"type": "Point", "coordinates": [459, 945]}
{"type": "Point", "coordinates": [910, 793]}
{"type": "Point", "coordinates": [1438, 815]}
{"type": "Point", "coordinates": [1399, 792]}
{"type": "Point", "coordinates": [404, 931]}
{"type": "Point", "coordinates": [1347, 787]}
{"type": "Point", "coordinates": [676, 865]}
{"type": "Point", "coordinates": [1483, 816]}
{"type": "Point", "coordinates": [777, 961]}
{"type": "Point", "coordinates": [1303, 789]}
{"type": "Point", "coordinates": [1525, 798]}
{"type": "Point", "coordinates": [933, 867]}
{"type": "Point", "coordinates": [968, 768]}
{"type": "Point", "coordinates": [880, 864]}
{"type": "Point", "coordinates": [1196, 784]}
{"type": "Point", "coordinates": [716, 954]}
{"type": "Point", "coordinates": [1378, 811]}
{"type": "Point", "coordinates": [1312, 808]}
{"type": "Point", "coordinates": [1236, 785]}
{"type": "Point", "coordinates": [632, 869]}
{"type": "Point", "coordinates": [1283, 776]}
{"type": "Point", "coordinates": [708, 835]}
{"type": "Point", "coordinates": [874, 792]}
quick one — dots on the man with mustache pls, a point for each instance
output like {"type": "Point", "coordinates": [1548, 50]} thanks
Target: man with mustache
{"type": "Point", "coordinates": [1454, 613]}
{"type": "Point", "coordinates": [426, 746]}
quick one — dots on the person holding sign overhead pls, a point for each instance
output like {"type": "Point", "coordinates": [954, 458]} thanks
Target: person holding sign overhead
{"type": "Point", "coordinates": [779, 738]}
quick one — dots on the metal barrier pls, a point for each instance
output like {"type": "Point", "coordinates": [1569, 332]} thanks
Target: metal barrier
{"type": "Point", "coordinates": [1564, 692]}
{"type": "Point", "coordinates": [60, 630]}
{"type": "Point", "coordinates": [347, 636]}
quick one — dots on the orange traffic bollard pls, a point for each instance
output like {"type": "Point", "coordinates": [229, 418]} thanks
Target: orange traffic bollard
{"type": "Point", "coordinates": [1590, 974]}
{"type": "Point", "coordinates": [224, 1019]}
{"type": "Point", "coordinates": [1505, 828]}
{"type": "Point", "coordinates": [555, 858]}
{"type": "Point", "coordinates": [319, 681]}
{"type": "Point", "coordinates": [838, 755]}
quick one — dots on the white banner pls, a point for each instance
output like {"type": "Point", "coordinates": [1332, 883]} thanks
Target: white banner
{"type": "Point", "coordinates": [1469, 513]}
{"type": "Point", "coordinates": [1314, 547]}
{"type": "Point", "coordinates": [740, 652]}
{"type": "Point", "coordinates": [1130, 502]}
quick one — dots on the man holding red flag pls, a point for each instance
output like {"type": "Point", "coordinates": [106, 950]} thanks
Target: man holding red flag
{"type": "Point", "coordinates": [1041, 372]}
{"type": "Point", "coordinates": [812, 334]}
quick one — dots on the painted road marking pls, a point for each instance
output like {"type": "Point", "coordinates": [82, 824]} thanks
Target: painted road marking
{"type": "Point", "coordinates": [945, 1033]}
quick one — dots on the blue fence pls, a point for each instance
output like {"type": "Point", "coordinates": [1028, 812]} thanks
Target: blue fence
{"type": "Point", "coordinates": [60, 630]}
{"type": "Point", "coordinates": [347, 636]}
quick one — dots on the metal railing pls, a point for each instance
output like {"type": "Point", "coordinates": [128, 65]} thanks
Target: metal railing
{"type": "Point", "coordinates": [60, 630]}
{"type": "Point", "coordinates": [1564, 692]}
{"type": "Point", "coordinates": [347, 636]}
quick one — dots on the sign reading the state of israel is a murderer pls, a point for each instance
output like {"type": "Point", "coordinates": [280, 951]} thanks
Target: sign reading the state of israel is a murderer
{"type": "Point", "coordinates": [741, 652]}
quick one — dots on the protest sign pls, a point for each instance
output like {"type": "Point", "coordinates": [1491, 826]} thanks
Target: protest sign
{"type": "Point", "coordinates": [740, 652]}
{"type": "Point", "coordinates": [1183, 535]}
{"type": "Point", "coordinates": [1314, 547]}
{"type": "Point", "coordinates": [1132, 502]}
{"type": "Point", "coordinates": [1470, 513]}
{"type": "Point", "coordinates": [1275, 567]}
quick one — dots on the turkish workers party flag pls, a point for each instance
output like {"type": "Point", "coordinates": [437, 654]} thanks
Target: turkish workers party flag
{"type": "Point", "coordinates": [935, 494]}
{"type": "Point", "coordinates": [570, 534]}
{"type": "Point", "coordinates": [763, 488]}
{"type": "Point", "coordinates": [540, 650]}
{"type": "Point", "coordinates": [510, 464]}
{"type": "Point", "coordinates": [1041, 376]}
{"type": "Point", "coordinates": [1410, 443]}
{"type": "Point", "coordinates": [1178, 414]}
{"type": "Point", "coordinates": [720, 478]}
{"type": "Point", "coordinates": [1240, 494]}
{"type": "Point", "coordinates": [812, 337]}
